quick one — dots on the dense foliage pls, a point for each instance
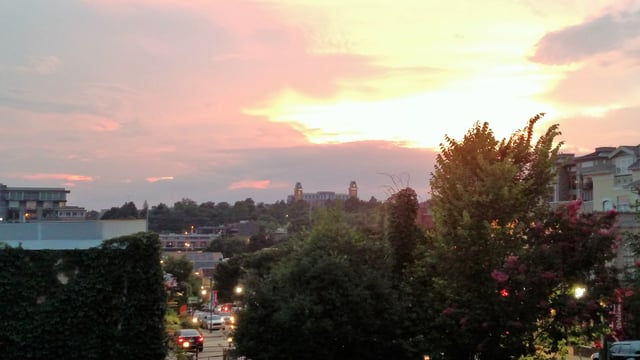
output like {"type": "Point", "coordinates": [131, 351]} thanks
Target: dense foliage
{"type": "Point", "coordinates": [496, 278]}
{"type": "Point", "coordinates": [329, 297]}
{"type": "Point", "coordinates": [102, 303]}
{"type": "Point", "coordinates": [516, 260]}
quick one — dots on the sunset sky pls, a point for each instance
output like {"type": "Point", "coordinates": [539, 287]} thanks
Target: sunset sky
{"type": "Point", "coordinates": [160, 100]}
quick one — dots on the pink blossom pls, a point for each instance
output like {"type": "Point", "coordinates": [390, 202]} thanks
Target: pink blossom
{"type": "Point", "coordinates": [499, 276]}
{"type": "Point", "coordinates": [604, 232]}
{"type": "Point", "coordinates": [448, 311]}
{"type": "Point", "coordinates": [573, 209]}
{"type": "Point", "coordinates": [522, 268]}
{"type": "Point", "coordinates": [512, 261]}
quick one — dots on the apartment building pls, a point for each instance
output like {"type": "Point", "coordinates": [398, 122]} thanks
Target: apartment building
{"type": "Point", "coordinates": [608, 178]}
{"type": "Point", "coordinates": [25, 204]}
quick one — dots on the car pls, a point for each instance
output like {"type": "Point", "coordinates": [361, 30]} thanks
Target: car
{"type": "Point", "coordinates": [228, 318]}
{"type": "Point", "coordinates": [188, 339]}
{"type": "Point", "coordinates": [212, 322]}
{"type": "Point", "coordinates": [226, 307]}
{"type": "Point", "coordinates": [624, 350]}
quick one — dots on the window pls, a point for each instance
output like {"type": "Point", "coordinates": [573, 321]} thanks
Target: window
{"type": "Point", "coordinates": [623, 203]}
{"type": "Point", "coordinates": [622, 164]}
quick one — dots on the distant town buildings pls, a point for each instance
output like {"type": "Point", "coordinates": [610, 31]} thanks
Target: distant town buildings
{"type": "Point", "coordinates": [23, 204]}
{"type": "Point", "coordinates": [36, 235]}
{"type": "Point", "coordinates": [322, 197]}
{"type": "Point", "coordinates": [39, 218]}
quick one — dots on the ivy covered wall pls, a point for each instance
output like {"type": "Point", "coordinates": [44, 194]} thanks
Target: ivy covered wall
{"type": "Point", "coordinates": [106, 302]}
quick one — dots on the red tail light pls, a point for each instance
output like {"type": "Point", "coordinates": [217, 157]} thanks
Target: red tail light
{"type": "Point", "coordinates": [200, 339]}
{"type": "Point", "coordinates": [180, 340]}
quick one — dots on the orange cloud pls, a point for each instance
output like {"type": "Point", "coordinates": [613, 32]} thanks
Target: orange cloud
{"type": "Point", "coordinates": [250, 184]}
{"type": "Point", "coordinates": [49, 176]}
{"type": "Point", "coordinates": [159, 178]}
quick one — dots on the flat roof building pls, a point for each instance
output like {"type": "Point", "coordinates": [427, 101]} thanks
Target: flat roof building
{"type": "Point", "coordinates": [24, 204]}
{"type": "Point", "coordinates": [66, 234]}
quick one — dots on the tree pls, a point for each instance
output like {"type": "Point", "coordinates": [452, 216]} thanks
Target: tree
{"type": "Point", "coordinates": [227, 276]}
{"type": "Point", "coordinates": [490, 285]}
{"type": "Point", "coordinates": [299, 216]}
{"type": "Point", "coordinates": [330, 298]}
{"type": "Point", "coordinates": [127, 211]}
{"type": "Point", "coordinates": [228, 246]}
{"type": "Point", "coordinates": [402, 233]}
{"type": "Point", "coordinates": [180, 267]}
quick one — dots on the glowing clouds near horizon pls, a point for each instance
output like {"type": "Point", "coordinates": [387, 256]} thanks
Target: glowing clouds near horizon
{"type": "Point", "coordinates": [57, 176]}
{"type": "Point", "coordinates": [250, 184]}
{"type": "Point", "coordinates": [159, 178]}
{"type": "Point", "coordinates": [420, 120]}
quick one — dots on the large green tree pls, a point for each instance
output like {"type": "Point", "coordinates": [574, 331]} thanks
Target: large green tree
{"type": "Point", "coordinates": [329, 298]}
{"type": "Point", "coordinates": [490, 285]}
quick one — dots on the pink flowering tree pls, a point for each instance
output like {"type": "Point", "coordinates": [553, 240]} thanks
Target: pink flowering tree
{"type": "Point", "coordinates": [496, 276]}
{"type": "Point", "coordinates": [560, 283]}
{"type": "Point", "coordinates": [631, 306]}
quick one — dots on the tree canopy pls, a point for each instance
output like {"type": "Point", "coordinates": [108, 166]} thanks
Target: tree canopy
{"type": "Point", "coordinates": [329, 298]}
{"type": "Point", "coordinates": [495, 279]}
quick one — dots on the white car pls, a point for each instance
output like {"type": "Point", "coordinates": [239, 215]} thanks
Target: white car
{"type": "Point", "coordinates": [212, 322]}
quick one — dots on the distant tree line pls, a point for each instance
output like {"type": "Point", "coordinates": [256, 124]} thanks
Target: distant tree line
{"type": "Point", "coordinates": [186, 214]}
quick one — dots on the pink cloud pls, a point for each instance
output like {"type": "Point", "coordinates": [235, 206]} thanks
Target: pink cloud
{"type": "Point", "coordinates": [106, 126]}
{"type": "Point", "coordinates": [50, 176]}
{"type": "Point", "coordinates": [251, 184]}
{"type": "Point", "coordinates": [159, 178]}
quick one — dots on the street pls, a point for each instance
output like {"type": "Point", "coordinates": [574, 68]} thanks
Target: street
{"type": "Point", "coordinates": [214, 343]}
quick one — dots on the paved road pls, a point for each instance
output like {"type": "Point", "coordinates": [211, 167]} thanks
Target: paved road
{"type": "Point", "coordinates": [214, 343]}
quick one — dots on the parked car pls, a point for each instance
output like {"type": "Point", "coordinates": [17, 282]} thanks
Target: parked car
{"type": "Point", "coordinates": [624, 350]}
{"type": "Point", "coordinates": [188, 339]}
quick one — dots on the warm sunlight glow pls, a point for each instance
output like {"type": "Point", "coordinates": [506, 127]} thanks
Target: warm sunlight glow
{"type": "Point", "coordinates": [421, 120]}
